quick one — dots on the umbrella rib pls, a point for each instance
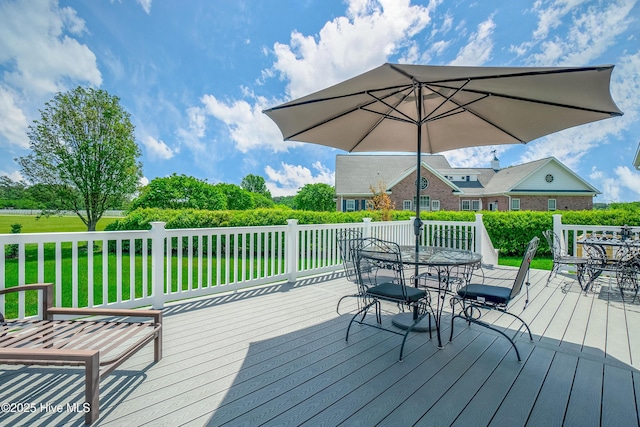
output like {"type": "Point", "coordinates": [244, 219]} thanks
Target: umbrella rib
{"type": "Point", "coordinates": [359, 107]}
{"type": "Point", "coordinates": [534, 101]}
{"type": "Point", "coordinates": [399, 88]}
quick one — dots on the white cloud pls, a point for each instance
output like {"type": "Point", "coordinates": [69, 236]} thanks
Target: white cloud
{"type": "Point", "coordinates": [624, 179]}
{"type": "Point", "coordinates": [479, 47]}
{"type": "Point", "coordinates": [290, 178]}
{"type": "Point", "coordinates": [591, 31]}
{"type": "Point", "coordinates": [13, 125]}
{"type": "Point", "coordinates": [15, 176]}
{"type": "Point", "coordinates": [39, 56]}
{"type": "Point", "coordinates": [248, 127]}
{"type": "Point", "coordinates": [157, 149]}
{"type": "Point", "coordinates": [37, 47]}
{"type": "Point", "coordinates": [475, 157]}
{"type": "Point", "coordinates": [146, 5]}
{"type": "Point", "coordinates": [376, 29]}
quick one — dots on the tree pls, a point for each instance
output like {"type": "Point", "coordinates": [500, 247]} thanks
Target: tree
{"type": "Point", "coordinates": [380, 201]}
{"type": "Point", "coordinates": [180, 192]}
{"type": "Point", "coordinates": [237, 198]}
{"type": "Point", "coordinates": [84, 146]}
{"type": "Point", "coordinates": [316, 197]}
{"type": "Point", "coordinates": [255, 184]}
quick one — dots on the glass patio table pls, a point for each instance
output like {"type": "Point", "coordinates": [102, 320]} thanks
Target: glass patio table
{"type": "Point", "coordinates": [442, 261]}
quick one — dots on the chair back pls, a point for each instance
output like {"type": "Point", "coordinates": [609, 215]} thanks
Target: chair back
{"type": "Point", "coordinates": [554, 244]}
{"type": "Point", "coordinates": [455, 238]}
{"type": "Point", "coordinates": [348, 240]}
{"type": "Point", "coordinates": [380, 261]}
{"type": "Point", "coordinates": [529, 253]}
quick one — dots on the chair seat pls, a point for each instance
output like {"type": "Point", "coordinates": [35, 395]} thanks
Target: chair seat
{"type": "Point", "coordinates": [492, 294]}
{"type": "Point", "coordinates": [567, 259]}
{"type": "Point", "coordinates": [394, 291]}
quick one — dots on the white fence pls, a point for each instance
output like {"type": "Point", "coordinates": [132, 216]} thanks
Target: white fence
{"type": "Point", "coordinates": [127, 269]}
{"type": "Point", "coordinates": [570, 234]}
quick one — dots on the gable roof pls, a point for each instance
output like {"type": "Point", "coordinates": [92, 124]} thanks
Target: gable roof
{"type": "Point", "coordinates": [354, 175]}
{"type": "Point", "coordinates": [356, 170]}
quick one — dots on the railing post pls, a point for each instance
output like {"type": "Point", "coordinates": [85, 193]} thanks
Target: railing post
{"type": "Point", "coordinates": [292, 249]}
{"type": "Point", "coordinates": [367, 227]}
{"type": "Point", "coordinates": [557, 228]}
{"type": "Point", "coordinates": [157, 263]}
{"type": "Point", "coordinates": [478, 233]}
{"type": "Point", "coordinates": [484, 246]}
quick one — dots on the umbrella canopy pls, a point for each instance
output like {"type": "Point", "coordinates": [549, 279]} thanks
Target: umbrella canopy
{"type": "Point", "coordinates": [422, 108]}
{"type": "Point", "coordinates": [453, 107]}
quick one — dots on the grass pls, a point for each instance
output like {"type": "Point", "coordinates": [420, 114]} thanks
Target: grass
{"type": "Point", "coordinates": [539, 263]}
{"type": "Point", "coordinates": [52, 224]}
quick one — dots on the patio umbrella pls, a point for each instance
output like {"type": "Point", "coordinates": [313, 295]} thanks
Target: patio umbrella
{"type": "Point", "coordinates": [429, 109]}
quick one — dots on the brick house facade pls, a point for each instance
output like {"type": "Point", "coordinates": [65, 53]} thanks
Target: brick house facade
{"type": "Point", "coordinates": [541, 185]}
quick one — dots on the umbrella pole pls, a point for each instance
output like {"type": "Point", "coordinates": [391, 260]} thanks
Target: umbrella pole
{"type": "Point", "coordinates": [417, 224]}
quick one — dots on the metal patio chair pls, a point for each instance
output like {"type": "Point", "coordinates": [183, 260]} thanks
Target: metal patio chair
{"type": "Point", "coordinates": [561, 258]}
{"type": "Point", "coordinates": [473, 298]}
{"type": "Point", "coordinates": [381, 274]}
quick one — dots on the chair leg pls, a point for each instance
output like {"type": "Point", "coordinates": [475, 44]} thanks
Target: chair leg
{"type": "Point", "coordinates": [406, 334]}
{"type": "Point", "coordinates": [362, 311]}
{"type": "Point", "coordinates": [347, 296]}
{"type": "Point", "coordinates": [552, 273]}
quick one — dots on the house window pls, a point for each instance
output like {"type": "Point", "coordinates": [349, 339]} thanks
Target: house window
{"type": "Point", "coordinates": [425, 202]}
{"type": "Point", "coordinates": [551, 204]}
{"type": "Point", "coordinates": [406, 205]}
{"type": "Point", "coordinates": [515, 204]}
{"type": "Point", "coordinates": [435, 205]}
{"type": "Point", "coordinates": [466, 205]}
{"type": "Point", "coordinates": [350, 205]}
{"type": "Point", "coordinates": [475, 205]}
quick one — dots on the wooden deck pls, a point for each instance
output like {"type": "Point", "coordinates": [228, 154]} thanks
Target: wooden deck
{"type": "Point", "coordinates": [276, 355]}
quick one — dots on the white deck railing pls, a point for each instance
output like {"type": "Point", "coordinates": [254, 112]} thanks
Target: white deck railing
{"type": "Point", "coordinates": [571, 234]}
{"type": "Point", "coordinates": [127, 269]}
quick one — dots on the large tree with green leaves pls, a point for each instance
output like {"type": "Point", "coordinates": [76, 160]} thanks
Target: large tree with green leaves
{"type": "Point", "coordinates": [255, 184]}
{"type": "Point", "coordinates": [84, 146]}
{"type": "Point", "coordinates": [180, 192]}
{"type": "Point", "coordinates": [316, 197]}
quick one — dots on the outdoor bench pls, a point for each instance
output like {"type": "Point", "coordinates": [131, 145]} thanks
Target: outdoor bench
{"type": "Point", "coordinates": [99, 344]}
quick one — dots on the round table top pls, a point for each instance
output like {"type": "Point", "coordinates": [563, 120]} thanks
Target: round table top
{"type": "Point", "coordinates": [609, 241]}
{"type": "Point", "coordinates": [438, 256]}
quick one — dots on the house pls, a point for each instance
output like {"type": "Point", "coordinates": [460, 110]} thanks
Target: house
{"type": "Point", "coordinates": [541, 185]}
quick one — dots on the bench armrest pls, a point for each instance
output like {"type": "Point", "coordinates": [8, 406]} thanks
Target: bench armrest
{"type": "Point", "coordinates": [156, 315]}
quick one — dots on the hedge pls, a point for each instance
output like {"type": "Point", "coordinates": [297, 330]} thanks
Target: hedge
{"type": "Point", "coordinates": [509, 231]}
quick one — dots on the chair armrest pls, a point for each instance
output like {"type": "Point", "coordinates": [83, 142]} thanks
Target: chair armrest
{"type": "Point", "coordinates": [156, 315]}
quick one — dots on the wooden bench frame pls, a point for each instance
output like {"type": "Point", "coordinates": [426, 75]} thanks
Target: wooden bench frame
{"type": "Point", "coordinates": [100, 345]}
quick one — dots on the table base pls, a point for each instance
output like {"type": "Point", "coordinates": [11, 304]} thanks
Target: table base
{"type": "Point", "coordinates": [405, 320]}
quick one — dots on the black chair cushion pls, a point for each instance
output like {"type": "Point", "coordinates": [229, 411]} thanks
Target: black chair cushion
{"type": "Point", "coordinates": [394, 291]}
{"type": "Point", "coordinates": [491, 294]}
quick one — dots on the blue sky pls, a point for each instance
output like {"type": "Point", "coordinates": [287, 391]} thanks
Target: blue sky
{"type": "Point", "coordinates": [195, 75]}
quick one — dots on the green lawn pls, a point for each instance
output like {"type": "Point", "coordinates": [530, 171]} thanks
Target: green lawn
{"type": "Point", "coordinates": [52, 224]}
{"type": "Point", "coordinates": [540, 263]}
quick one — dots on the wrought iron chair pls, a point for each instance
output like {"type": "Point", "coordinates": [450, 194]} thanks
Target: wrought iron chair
{"type": "Point", "coordinates": [348, 240]}
{"type": "Point", "coordinates": [376, 259]}
{"type": "Point", "coordinates": [628, 270]}
{"type": "Point", "coordinates": [561, 258]}
{"type": "Point", "coordinates": [455, 238]}
{"type": "Point", "coordinates": [473, 298]}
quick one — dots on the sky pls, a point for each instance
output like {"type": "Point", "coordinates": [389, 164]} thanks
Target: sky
{"type": "Point", "coordinates": [195, 75]}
